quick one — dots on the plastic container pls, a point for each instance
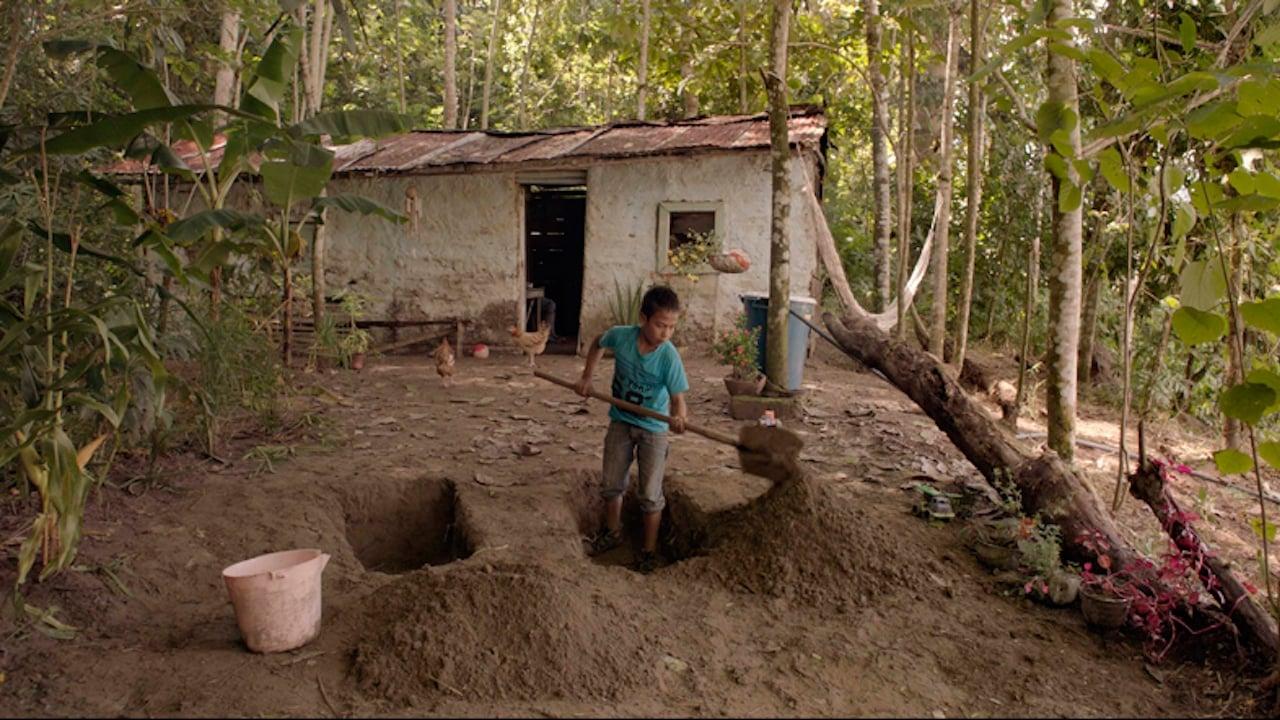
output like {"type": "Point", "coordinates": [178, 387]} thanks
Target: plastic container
{"type": "Point", "coordinates": [757, 309]}
{"type": "Point", "coordinates": [277, 598]}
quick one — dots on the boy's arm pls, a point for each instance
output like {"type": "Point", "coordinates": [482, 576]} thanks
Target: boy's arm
{"type": "Point", "coordinates": [583, 386]}
{"type": "Point", "coordinates": [679, 413]}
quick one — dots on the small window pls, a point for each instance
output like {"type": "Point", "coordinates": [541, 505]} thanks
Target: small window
{"type": "Point", "coordinates": [684, 223]}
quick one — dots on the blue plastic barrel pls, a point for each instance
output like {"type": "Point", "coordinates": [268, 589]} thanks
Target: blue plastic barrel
{"type": "Point", "coordinates": [756, 306]}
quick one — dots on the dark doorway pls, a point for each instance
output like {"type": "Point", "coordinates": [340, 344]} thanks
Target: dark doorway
{"type": "Point", "coordinates": [555, 223]}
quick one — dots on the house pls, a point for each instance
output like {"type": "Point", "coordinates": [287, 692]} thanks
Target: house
{"type": "Point", "coordinates": [578, 215]}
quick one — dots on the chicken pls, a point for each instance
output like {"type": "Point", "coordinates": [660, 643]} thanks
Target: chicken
{"type": "Point", "coordinates": [445, 362]}
{"type": "Point", "coordinates": [532, 344]}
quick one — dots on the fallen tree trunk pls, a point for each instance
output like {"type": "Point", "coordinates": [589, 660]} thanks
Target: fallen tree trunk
{"type": "Point", "coordinates": [1048, 485]}
{"type": "Point", "coordinates": [1148, 485]}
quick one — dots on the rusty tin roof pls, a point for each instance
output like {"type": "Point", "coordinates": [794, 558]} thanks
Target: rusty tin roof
{"type": "Point", "coordinates": [430, 151]}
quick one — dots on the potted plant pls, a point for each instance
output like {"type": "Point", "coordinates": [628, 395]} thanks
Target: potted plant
{"type": "Point", "coordinates": [737, 349]}
{"type": "Point", "coordinates": [353, 347]}
{"type": "Point", "coordinates": [1104, 596]}
{"type": "Point", "coordinates": [355, 343]}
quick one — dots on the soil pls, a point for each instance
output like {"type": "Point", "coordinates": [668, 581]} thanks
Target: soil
{"type": "Point", "coordinates": [459, 584]}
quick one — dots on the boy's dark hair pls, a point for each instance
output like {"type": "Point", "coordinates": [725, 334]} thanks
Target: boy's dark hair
{"type": "Point", "coordinates": [659, 297]}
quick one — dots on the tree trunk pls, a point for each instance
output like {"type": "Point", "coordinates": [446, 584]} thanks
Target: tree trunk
{"type": "Point", "coordinates": [1065, 270]}
{"type": "Point", "coordinates": [906, 173]}
{"type": "Point", "coordinates": [743, 103]}
{"type": "Point", "coordinates": [1149, 486]}
{"type": "Point", "coordinates": [1047, 484]}
{"type": "Point", "coordinates": [1089, 319]}
{"type": "Point", "coordinates": [1028, 306]}
{"type": "Point", "coordinates": [450, 64]}
{"type": "Point", "coordinates": [471, 86]}
{"type": "Point", "coordinates": [879, 158]}
{"type": "Point", "coordinates": [642, 69]}
{"type": "Point", "coordinates": [488, 65]}
{"type": "Point", "coordinates": [688, 97]}
{"type": "Point", "coordinates": [523, 106]}
{"type": "Point", "coordinates": [1232, 430]}
{"type": "Point", "coordinates": [973, 180]}
{"type": "Point", "coordinates": [286, 345]}
{"type": "Point", "coordinates": [225, 79]}
{"type": "Point", "coordinates": [779, 243]}
{"type": "Point", "coordinates": [395, 19]}
{"type": "Point", "coordinates": [315, 78]}
{"type": "Point", "coordinates": [942, 233]}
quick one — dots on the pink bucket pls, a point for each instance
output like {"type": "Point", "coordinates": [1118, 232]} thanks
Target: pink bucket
{"type": "Point", "coordinates": [277, 598]}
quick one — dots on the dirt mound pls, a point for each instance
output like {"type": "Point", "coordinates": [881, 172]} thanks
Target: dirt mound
{"type": "Point", "coordinates": [799, 543]}
{"type": "Point", "coordinates": [507, 632]}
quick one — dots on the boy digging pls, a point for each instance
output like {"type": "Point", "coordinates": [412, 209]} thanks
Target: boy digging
{"type": "Point", "coordinates": [647, 371]}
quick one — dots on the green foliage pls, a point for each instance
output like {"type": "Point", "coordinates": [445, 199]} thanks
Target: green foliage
{"type": "Point", "coordinates": [1196, 327]}
{"type": "Point", "coordinates": [624, 306]}
{"type": "Point", "coordinates": [1247, 401]}
{"type": "Point", "coordinates": [1232, 462]}
{"type": "Point", "coordinates": [737, 348]}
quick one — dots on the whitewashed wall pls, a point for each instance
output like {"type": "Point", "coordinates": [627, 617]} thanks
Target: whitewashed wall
{"type": "Point", "coordinates": [622, 233]}
{"type": "Point", "coordinates": [461, 260]}
{"type": "Point", "coordinates": [464, 257]}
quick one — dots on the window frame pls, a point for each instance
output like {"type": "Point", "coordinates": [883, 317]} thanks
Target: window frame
{"type": "Point", "coordinates": [665, 209]}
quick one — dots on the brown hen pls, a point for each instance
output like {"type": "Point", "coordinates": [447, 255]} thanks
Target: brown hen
{"type": "Point", "coordinates": [445, 363]}
{"type": "Point", "coordinates": [531, 344]}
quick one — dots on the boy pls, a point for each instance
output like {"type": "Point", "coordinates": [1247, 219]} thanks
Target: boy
{"type": "Point", "coordinates": [647, 371]}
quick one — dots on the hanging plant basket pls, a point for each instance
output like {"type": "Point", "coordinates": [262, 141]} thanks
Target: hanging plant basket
{"type": "Point", "coordinates": [733, 261]}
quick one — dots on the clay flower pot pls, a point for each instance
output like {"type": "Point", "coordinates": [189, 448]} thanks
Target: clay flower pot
{"type": "Point", "coordinates": [1102, 610]}
{"type": "Point", "coordinates": [357, 361]}
{"type": "Point", "coordinates": [996, 556]}
{"type": "Point", "coordinates": [744, 387]}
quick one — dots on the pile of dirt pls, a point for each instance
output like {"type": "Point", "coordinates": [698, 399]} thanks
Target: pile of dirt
{"type": "Point", "coordinates": [497, 632]}
{"type": "Point", "coordinates": [798, 542]}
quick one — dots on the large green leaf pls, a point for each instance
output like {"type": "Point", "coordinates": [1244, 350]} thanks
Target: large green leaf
{"type": "Point", "coordinates": [1232, 462]}
{"type": "Point", "coordinates": [1113, 169]}
{"type": "Point", "coordinates": [358, 204]}
{"type": "Point", "coordinates": [197, 226]}
{"type": "Point", "coordinates": [348, 125]}
{"type": "Point", "coordinates": [140, 82]}
{"type": "Point", "coordinates": [1187, 33]}
{"type": "Point", "coordinates": [1259, 96]}
{"type": "Point", "coordinates": [1184, 218]}
{"type": "Point", "coordinates": [1255, 131]}
{"type": "Point", "coordinates": [1270, 378]}
{"type": "Point", "coordinates": [1195, 327]}
{"type": "Point", "coordinates": [299, 173]}
{"type": "Point", "coordinates": [1265, 183]}
{"type": "Point", "coordinates": [270, 80]}
{"type": "Point", "coordinates": [1203, 284]}
{"type": "Point", "coordinates": [1263, 315]}
{"type": "Point", "coordinates": [1213, 120]}
{"type": "Point", "coordinates": [1270, 452]}
{"type": "Point", "coordinates": [1247, 402]}
{"type": "Point", "coordinates": [115, 131]}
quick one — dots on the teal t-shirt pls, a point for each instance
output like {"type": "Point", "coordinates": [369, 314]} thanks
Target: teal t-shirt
{"type": "Point", "coordinates": [648, 380]}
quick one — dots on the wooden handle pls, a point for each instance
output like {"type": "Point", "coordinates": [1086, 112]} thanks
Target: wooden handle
{"type": "Point", "coordinates": [639, 410]}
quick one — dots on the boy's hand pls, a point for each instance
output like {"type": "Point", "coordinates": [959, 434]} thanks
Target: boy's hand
{"type": "Point", "coordinates": [583, 386]}
{"type": "Point", "coordinates": [678, 424]}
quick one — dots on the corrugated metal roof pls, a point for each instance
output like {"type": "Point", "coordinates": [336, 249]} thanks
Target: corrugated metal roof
{"type": "Point", "coordinates": [424, 151]}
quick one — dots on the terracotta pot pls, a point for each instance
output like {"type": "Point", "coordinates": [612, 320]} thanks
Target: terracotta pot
{"type": "Point", "coordinates": [1102, 610]}
{"type": "Point", "coordinates": [997, 557]}
{"type": "Point", "coordinates": [744, 387]}
{"type": "Point", "coordinates": [357, 361]}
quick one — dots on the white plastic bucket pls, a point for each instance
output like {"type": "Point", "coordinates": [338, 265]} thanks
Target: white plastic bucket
{"type": "Point", "coordinates": [277, 598]}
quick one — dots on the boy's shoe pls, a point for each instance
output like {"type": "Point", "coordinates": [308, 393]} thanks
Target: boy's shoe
{"type": "Point", "coordinates": [646, 562]}
{"type": "Point", "coordinates": [604, 541]}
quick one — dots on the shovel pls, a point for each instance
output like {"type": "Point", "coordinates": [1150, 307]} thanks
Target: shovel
{"type": "Point", "coordinates": [770, 452]}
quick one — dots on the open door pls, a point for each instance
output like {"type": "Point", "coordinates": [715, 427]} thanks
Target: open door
{"type": "Point", "coordinates": [555, 225]}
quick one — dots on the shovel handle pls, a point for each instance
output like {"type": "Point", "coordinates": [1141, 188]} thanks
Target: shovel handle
{"type": "Point", "coordinates": [640, 410]}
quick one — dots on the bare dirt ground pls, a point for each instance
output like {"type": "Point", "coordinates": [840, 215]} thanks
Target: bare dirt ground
{"type": "Point", "coordinates": [458, 583]}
